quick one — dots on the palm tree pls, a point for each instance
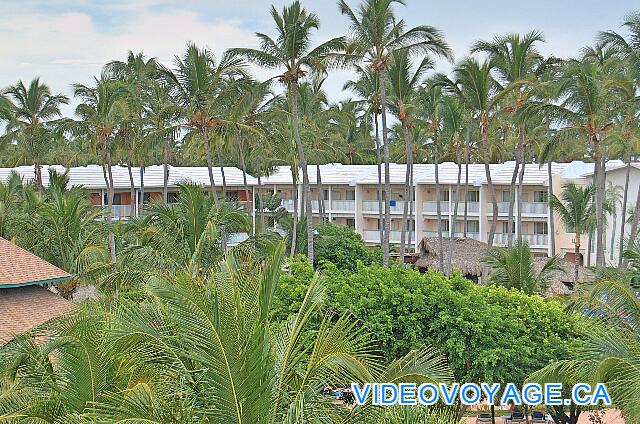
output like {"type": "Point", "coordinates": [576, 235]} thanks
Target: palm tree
{"type": "Point", "coordinates": [404, 82]}
{"type": "Point", "coordinates": [201, 349]}
{"type": "Point", "coordinates": [589, 91]}
{"type": "Point", "coordinates": [292, 51]}
{"type": "Point", "coordinates": [65, 231]}
{"type": "Point", "coordinates": [375, 35]}
{"type": "Point", "coordinates": [366, 87]}
{"type": "Point", "coordinates": [481, 94]}
{"type": "Point", "coordinates": [33, 108]}
{"type": "Point", "coordinates": [100, 114]}
{"type": "Point", "coordinates": [515, 59]}
{"type": "Point", "coordinates": [198, 84]}
{"type": "Point", "coordinates": [576, 212]}
{"type": "Point", "coordinates": [610, 350]}
{"type": "Point", "coordinates": [10, 205]}
{"type": "Point", "coordinates": [514, 267]}
{"type": "Point", "coordinates": [186, 235]}
{"type": "Point", "coordinates": [431, 109]}
{"type": "Point", "coordinates": [137, 73]}
{"type": "Point", "coordinates": [161, 122]}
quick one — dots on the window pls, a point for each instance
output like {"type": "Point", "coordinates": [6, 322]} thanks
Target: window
{"type": "Point", "coordinates": [172, 197]}
{"type": "Point", "coordinates": [351, 195]}
{"type": "Point", "coordinates": [473, 227]}
{"type": "Point", "coordinates": [232, 196]}
{"type": "Point", "coordinates": [506, 196]}
{"type": "Point", "coordinates": [540, 196]}
{"type": "Point", "coordinates": [443, 195]}
{"type": "Point", "coordinates": [410, 225]}
{"type": "Point", "coordinates": [351, 223]}
{"type": "Point", "coordinates": [505, 228]}
{"type": "Point", "coordinates": [117, 199]}
{"type": "Point", "coordinates": [473, 196]}
{"type": "Point", "coordinates": [540, 228]}
{"type": "Point", "coordinates": [444, 225]}
{"type": "Point", "coordinates": [146, 198]}
{"type": "Point", "coordinates": [326, 194]}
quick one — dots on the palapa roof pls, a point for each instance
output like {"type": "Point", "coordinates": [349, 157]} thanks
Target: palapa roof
{"type": "Point", "coordinates": [465, 256]}
{"type": "Point", "coordinates": [26, 307]}
{"type": "Point", "coordinates": [21, 268]}
{"type": "Point", "coordinates": [560, 279]}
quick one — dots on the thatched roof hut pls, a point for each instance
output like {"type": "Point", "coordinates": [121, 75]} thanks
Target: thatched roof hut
{"type": "Point", "coordinates": [465, 256]}
{"type": "Point", "coordinates": [562, 281]}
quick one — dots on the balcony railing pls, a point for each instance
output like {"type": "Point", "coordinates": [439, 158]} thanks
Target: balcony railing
{"type": "Point", "coordinates": [534, 240]}
{"type": "Point", "coordinates": [431, 207]}
{"type": "Point", "coordinates": [528, 208]}
{"type": "Point", "coordinates": [372, 206]}
{"type": "Point", "coordinates": [475, 236]}
{"type": "Point", "coordinates": [343, 205]}
{"type": "Point", "coordinates": [433, 234]}
{"type": "Point", "coordinates": [535, 208]}
{"type": "Point", "coordinates": [287, 204]}
{"type": "Point", "coordinates": [373, 236]}
{"type": "Point", "coordinates": [236, 238]}
{"type": "Point", "coordinates": [121, 211]}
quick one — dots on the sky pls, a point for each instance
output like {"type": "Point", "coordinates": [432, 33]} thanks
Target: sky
{"type": "Point", "coordinates": [67, 41]}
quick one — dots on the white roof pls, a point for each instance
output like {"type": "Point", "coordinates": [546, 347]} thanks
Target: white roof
{"type": "Point", "coordinates": [448, 173]}
{"type": "Point", "coordinates": [200, 175]}
{"type": "Point", "coordinates": [92, 177]}
{"type": "Point", "coordinates": [534, 173]}
{"type": "Point", "coordinates": [612, 165]}
{"type": "Point", "coordinates": [397, 173]}
{"type": "Point", "coordinates": [332, 173]}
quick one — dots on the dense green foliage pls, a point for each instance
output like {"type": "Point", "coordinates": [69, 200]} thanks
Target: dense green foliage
{"type": "Point", "coordinates": [200, 350]}
{"type": "Point", "coordinates": [343, 247]}
{"type": "Point", "coordinates": [488, 333]}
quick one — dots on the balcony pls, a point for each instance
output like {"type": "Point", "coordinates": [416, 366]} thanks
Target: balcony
{"type": "Point", "coordinates": [121, 211]}
{"type": "Point", "coordinates": [434, 234]}
{"type": "Point", "coordinates": [431, 207]}
{"type": "Point", "coordinates": [371, 206]}
{"type": "Point", "coordinates": [528, 208]}
{"type": "Point", "coordinates": [287, 204]}
{"type": "Point", "coordinates": [534, 240]}
{"type": "Point", "coordinates": [475, 236]}
{"type": "Point", "coordinates": [373, 236]}
{"type": "Point", "coordinates": [343, 205]}
{"type": "Point", "coordinates": [535, 208]}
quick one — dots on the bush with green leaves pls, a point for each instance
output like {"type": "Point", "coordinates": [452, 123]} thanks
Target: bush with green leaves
{"type": "Point", "coordinates": [488, 333]}
{"type": "Point", "coordinates": [341, 246]}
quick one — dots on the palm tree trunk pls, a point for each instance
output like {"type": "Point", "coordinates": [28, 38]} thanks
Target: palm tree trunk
{"type": "Point", "coordinates": [455, 214]}
{"type": "Point", "coordinates": [552, 224]}
{"type": "Point", "coordinates": [438, 209]}
{"type": "Point", "coordinates": [320, 193]}
{"type": "Point", "coordinates": [261, 207]}
{"type": "Point", "coordinates": [244, 179]}
{"type": "Point", "coordinates": [623, 213]}
{"type": "Point", "coordinates": [294, 235]}
{"type": "Point", "coordinates": [108, 179]}
{"type": "Point", "coordinates": [466, 187]}
{"type": "Point", "coordinates": [387, 182]}
{"type": "Point", "coordinates": [634, 223]}
{"type": "Point", "coordinates": [484, 129]}
{"type": "Point", "coordinates": [512, 200]}
{"type": "Point", "coordinates": [212, 183]}
{"type": "Point", "coordinates": [407, 190]}
{"type": "Point", "coordinates": [519, 197]}
{"type": "Point", "coordinates": [594, 181]}
{"type": "Point", "coordinates": [411, 207]}
{"type": "Point", "coordinates": [305, 172]}
{"type": "Point", "coordinates": [379, 163]}
{"type": "Point", "coordinates": [37, 169]}
{"type": "Point", "coordinates": [221, 165]}
{"type": "Point", "coordinates": [132, 185]}
{"type": "Point", "coordinates": [599, 201]}
{"type": "Point", "coordinates": [165, 170]}
{"type": "Point", "coordinates": [142, 181]}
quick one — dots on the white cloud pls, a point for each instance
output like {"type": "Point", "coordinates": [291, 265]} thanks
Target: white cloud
{"type": "Point", "coordinates": [67, 48]}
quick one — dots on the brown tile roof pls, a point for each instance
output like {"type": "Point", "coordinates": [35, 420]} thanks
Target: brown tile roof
{"type": "Point", "coordinates": [19, 267]}
{"type": "Point", "coordinates": [23, 308]}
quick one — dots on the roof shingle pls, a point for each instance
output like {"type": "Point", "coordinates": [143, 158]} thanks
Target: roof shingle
{"type": "Point", "coordinates": [19, 267]}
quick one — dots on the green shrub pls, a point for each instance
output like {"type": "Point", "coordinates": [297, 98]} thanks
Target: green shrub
{"type": "Point", "coordinates": [488, 333]}
{"type": "Point", "coordinates": [341, 246]}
